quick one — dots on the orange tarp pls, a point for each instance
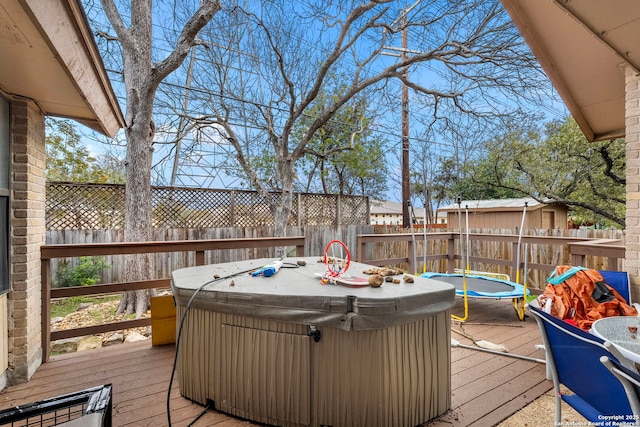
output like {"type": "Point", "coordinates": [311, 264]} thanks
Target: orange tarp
{"type": "Point", "coordinates": [572, 300]}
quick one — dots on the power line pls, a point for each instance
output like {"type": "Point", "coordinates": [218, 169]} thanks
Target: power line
{"type": "Point", "coordinates": [259, 73]}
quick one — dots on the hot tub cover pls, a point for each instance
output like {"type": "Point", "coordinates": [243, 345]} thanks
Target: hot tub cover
{"type": "Point", "coordinates": [296, 295]}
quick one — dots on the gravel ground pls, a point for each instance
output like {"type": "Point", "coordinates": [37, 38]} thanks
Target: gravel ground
{"type": "Point", "coordinates": [96, 314]}
{"type": "Point", "coordinates": [541, 413]}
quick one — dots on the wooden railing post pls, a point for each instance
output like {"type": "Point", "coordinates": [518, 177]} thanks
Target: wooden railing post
{"type": "Point", "coordinates": [45, 272]}
{"type": "Point", "coordinates": [577, 259]}
{"type": "Point", "coordinates": [361, 246]}
{"type": "Point", "coordinates": [411, 251]}
{"type": "Point", "coordinates": [609, 248]}
{"type": "Point", "coordinates": [199, 257]}
{"type": "Point", "coordinates": [514, 259]}
{"type": "Point", "coordinates": [451, 251]}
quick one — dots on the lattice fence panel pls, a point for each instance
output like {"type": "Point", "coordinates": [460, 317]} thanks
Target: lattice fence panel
{"type": "Point", "coordinates": [319, 209]}
{"type": "Point", "coordinates": [101, 206]}
{"type": "Point", "coordinates": [353, 209]}
{"type": "Point", "coordinates": [252, 210]}
{"type": "Point", "coordinates": [190, 208]}
{"type": "Point", "coordinates": [84, 206]}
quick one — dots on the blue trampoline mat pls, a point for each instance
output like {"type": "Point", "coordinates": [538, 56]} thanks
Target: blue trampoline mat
{"type": "Point", "coordinates": [480, 286]}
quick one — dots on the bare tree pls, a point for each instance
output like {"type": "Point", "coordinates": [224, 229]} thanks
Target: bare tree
{"type": "Point", "coordinates": [142, 75]}
{"type": "Point", "coordinates": [429, 177]}
{"type": "Point", "coordinates": [269, 63]}
{"type": "Point", "coordinates": [443, 153]}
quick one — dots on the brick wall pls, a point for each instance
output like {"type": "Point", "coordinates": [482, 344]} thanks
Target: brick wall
{"type": "Point", "coordinates": [27, 235]}
{"type": "Point", "coordinates": [632, 137]}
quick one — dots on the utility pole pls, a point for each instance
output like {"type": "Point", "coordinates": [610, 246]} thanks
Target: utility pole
{"type": "Point", "coordinates": [406, 173]}
{"type": "Point", "coordinates": [406, 184]}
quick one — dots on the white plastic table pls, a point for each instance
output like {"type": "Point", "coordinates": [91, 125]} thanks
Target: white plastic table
{"type": "Point", "coordinates": [619, 330]}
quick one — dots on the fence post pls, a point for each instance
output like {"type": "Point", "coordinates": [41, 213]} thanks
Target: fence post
{"type": "Point", "coordinates": [338, 210]}
{"type": "Point", "coordinates": [232, 208]}
{"type": "Point", "coordinates": [368, 203]}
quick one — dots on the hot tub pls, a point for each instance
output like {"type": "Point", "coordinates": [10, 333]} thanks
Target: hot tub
{"type": "Point", "coordinates": [288, 350]}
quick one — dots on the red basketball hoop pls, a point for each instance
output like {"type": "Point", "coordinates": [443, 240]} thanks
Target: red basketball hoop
{"type": "Point", "coordinates": [337, 258]}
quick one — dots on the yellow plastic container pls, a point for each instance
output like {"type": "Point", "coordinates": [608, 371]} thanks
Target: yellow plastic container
{"type": "Point", "coordinates": [163, 320]}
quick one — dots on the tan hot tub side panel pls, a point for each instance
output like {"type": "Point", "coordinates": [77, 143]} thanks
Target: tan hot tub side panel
{"type": "Point", "coordinates": [403, 374]}
{"type": "Point", "coordinates": [273, 372]}
{"type": "Point", "coordinates": [244, 365]}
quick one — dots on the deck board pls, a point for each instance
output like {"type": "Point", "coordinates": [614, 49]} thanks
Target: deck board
{"type": "Point", "coordinates": [486, 388]}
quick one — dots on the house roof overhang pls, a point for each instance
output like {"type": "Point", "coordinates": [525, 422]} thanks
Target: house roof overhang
{"type": "Point", "coordinates": [49, 55]}
{"type": "Point", "coordinates": [584, 46]}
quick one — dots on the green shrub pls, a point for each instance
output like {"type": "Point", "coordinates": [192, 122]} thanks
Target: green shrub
{"type": "Point", "coordinates": [86, 273]}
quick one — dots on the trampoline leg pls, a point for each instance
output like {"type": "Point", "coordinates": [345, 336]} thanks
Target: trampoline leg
{"type": "Point", "coordinates": [465, 298]}
{"type": "Point", "coordinates": [518, 304]}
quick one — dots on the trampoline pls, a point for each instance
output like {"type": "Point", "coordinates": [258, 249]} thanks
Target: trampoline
{"type": "Point", "coordinates": [489, 285]}
{"type": "Point", "coordinates": [480, 286]}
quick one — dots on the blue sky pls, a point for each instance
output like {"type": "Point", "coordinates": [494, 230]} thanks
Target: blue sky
{"type": "Point", "coordinates": [208, 154]}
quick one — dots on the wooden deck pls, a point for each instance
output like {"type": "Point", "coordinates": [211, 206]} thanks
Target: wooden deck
{"type": "Point", "coordinates": [486, 388]}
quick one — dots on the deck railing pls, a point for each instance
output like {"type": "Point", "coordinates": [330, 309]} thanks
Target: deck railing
{"type": "Point", "coordinates": [581, 251]}
{"type": "Point", "coordinates": [578, 250]}
{"type": "Point", "coordinates": [199, 247]}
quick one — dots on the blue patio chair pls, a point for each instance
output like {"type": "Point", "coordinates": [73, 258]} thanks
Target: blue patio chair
{"type": "Point", "coordinates": [618, 280]}
{"type": "Point", "coordinates": [573, 359]}
{"type": "Point", "coordinates": [630, 380]}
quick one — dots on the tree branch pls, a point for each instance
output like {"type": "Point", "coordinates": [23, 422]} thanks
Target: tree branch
{"type": "Point", "coordinates": [204, 14]}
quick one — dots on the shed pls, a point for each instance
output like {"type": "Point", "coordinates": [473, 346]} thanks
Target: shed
{"type": "Point", "coordinates": [507, 213]}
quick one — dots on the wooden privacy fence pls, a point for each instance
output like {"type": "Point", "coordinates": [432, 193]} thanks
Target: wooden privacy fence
{"type": "Point", "coordinates": [50, 252]}
{"type": "Point", "coordinates": [73, 206]}
{"type": "Point", "coordinates": [316, 237]}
